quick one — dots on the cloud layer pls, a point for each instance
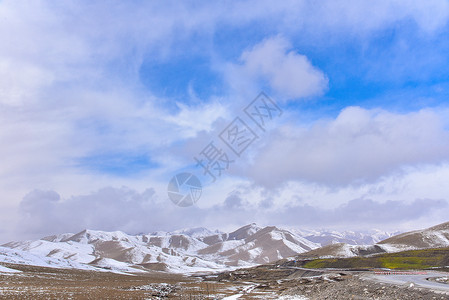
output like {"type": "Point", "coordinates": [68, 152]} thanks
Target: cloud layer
{"type": "Point", "coordinates": [43, 212]}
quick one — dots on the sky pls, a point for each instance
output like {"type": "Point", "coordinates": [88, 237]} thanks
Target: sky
{"type": "Point", "coordinates": [103, 103]}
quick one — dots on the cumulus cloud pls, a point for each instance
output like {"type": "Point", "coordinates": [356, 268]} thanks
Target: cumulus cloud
{"type": "Point", "coordinates": [288, 73]}
{"type": "Point", "coordinates": [358, 146]}
{"type": "Point", "coordinates": [192, 120]}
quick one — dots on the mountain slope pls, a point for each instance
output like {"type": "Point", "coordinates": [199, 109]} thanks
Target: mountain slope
{"type": "Point", "coordinates": [97, 248]}
{"type": "Point", "coordinates": [254, 245]}
{"type": "Point", "coordinates": [189, 250]}
{"type": "Point", "coordinates": [326, 237]}
{"type": "Point", "coordinates": [410, 259]}
{"type": "Point", "coordinates": [433, 237]}
{"type": "Point", "coordinates": [16, 256]}
{"type": "Point", "coordinates": [342, 250]}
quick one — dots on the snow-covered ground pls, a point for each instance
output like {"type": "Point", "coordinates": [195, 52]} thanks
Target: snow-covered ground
{"type": "Point", "coordinates": [8, 270]}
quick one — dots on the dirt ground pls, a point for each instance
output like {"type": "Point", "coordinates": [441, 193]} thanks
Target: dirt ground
{"type": "Point", "coordinates": [49, 283]}
{"type": "Point", "coordinates": [256, 283]}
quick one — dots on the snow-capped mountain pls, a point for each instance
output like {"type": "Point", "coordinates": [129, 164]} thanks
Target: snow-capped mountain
{"type": "Point", "coordinates": [197, 232]}
{"type": "Point", "coordinates": [16, 256]}
{"type": "Point", "coordinates": [119, 251]}
{"type": "Point", "coordinates": [326, 237]}
{"type": "Point", "coordinates": [433, 237]}
{"type": "Point", "coordinates": [188, 250]}
{"type": "Point", "coordinates": [254, 245]}
{"type": "Point", "coordinates": [342, 250]}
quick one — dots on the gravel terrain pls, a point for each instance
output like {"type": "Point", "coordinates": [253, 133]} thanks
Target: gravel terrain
{"type": "Point", "coordinates": [319, 284]}
{"type": "Point", "coordinates": [355, 287]}
{"type": "Point", "coordinates": [256, 283]}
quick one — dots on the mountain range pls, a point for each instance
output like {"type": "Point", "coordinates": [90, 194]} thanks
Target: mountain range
{"type": "Point", "coordinates": [433, 237]}
{"type": "Point", "coordinates": [202, 250]}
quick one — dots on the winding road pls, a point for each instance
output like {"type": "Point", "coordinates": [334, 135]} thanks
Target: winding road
{"type": "Point", "coordinates": [418, 280]}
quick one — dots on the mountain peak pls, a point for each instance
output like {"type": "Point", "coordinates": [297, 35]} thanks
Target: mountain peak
{"type": "Point", "coordinates": [433, 237]}
{"type": "Point", "coordinates": [442, 226]}
{"type": "Point", "coordinates": [244, 232]}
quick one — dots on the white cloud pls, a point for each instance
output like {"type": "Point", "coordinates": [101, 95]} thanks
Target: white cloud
{"type": "Point", "coordinates": [358, 146]}
{"type": "Point", "coordinates": [290, 74]}
{"type": "Point", "coordinates": [191, 120]}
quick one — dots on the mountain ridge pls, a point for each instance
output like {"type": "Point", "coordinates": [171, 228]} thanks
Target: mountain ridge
{"type": "Point", "coordinates": [186, 250]}
{"type": "Point", "coordinates": [429, 238]}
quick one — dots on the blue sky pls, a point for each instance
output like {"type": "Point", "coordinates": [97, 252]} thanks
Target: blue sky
{"type": "Point", "coordinates": [98, 99]}
{"type": "Point", "coordinates": [397, 61]}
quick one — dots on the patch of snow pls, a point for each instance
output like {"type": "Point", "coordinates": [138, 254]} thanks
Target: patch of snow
{"type": "Point", "coordinates": [8, 270]}
{"type": "Point", "coordinates": [396, 247]}
{"type": "Point", "coordinates": [254, 253]}
{"type": "Point", "coordinates": [196, 232]}
{"type": "Point", "coordinates": [114, 265]}
{"type": "Point", "coordinates": [233, 297]}
{"type": "Point", "coordinates": [228, 245]}
{"type": "Point", "coordinates": [25, 258]}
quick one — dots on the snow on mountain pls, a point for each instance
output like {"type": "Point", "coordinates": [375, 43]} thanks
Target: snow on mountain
{"type": "Point", "coordinates": [15, 256]}
{"type": "Point", "coordinates": [183, 251]}
{"type": "Point", "coordinates": [251, 245]}
{"type": "Point", "coordinates": [57, 238]}
{"type": "Point", "coordinates": [188, 250]}
{"type": "Point", "coordinates": [112, 264]}
{"type": "Point", "coordinates": [326, 237]}
{"type": "Point", "coordinates": [78, 252]}
{"type": "Point", "coordinates": [342, 250]}
{"type": "Point", "coordinates": [433, 237]}
{"type": "Point", "coordinates": [197, 232]}
{"type": "Point", "coordinates": [244, 232]}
